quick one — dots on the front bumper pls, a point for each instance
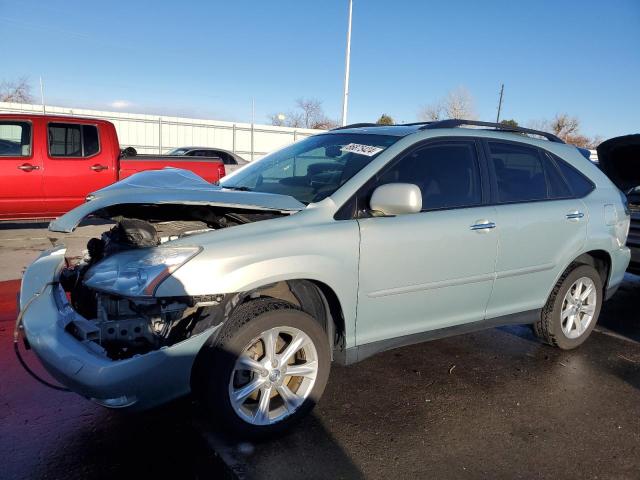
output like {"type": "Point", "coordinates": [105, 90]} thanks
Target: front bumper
{"type": "Point", "coordinates": [139, 382]}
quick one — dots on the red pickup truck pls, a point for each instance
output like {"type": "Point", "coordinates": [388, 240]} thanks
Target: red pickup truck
{"type": "Point", "coordinates": [49, 163]}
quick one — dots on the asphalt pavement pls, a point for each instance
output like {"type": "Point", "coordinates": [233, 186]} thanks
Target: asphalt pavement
{"type": "Point", "coordinates": [495, 404]}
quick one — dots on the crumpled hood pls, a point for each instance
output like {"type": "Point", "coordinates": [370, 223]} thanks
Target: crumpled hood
{"type": "Point", "coordinates": [170, 186]}
{"type": "Point", "coordinates": [619, 158]}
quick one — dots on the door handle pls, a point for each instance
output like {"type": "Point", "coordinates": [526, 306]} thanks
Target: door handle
{"type": "Point", "coordinates": [98, 168]}
{"type": "Point", "coordinates": [27, 167]}
{"type": "Point", "coordinates": [482, 225]}
{"type": "Point", "coordinates": [575, 216]}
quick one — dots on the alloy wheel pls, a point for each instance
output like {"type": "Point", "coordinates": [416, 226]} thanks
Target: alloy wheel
{"type": "Point", "coordinates": [273, 376]}
{"type": "Point", "coordinates": [578, 307]}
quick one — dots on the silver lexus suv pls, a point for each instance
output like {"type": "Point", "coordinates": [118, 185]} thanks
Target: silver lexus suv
{"type": "Point", "coordinates": [335, 248]}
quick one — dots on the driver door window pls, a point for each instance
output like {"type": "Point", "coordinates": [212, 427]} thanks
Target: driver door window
{"type": "Point", "coordinates": [448, 175]}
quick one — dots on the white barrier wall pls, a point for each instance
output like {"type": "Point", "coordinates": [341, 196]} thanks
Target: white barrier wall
{"type": "Point", "coordinates": [158, 134]}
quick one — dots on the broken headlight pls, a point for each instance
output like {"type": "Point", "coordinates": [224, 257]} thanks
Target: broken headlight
{"type": "Point", "coordinates": [137, 273]}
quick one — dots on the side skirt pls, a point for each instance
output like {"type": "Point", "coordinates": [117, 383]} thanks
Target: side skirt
{"type": "Point", "coordinates": [361, 352]}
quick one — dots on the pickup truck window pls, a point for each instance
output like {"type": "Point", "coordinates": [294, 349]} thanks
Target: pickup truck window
{"type": "Point", "coordinates": [73, 140]}
{"type": "Point", "coordinates": [15, 139]}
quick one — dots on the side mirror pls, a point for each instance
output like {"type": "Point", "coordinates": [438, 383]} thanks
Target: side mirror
{"type": "Point", "coordinates": [396, 199]}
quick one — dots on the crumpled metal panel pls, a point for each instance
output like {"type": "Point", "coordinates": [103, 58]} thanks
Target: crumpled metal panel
{"type": "Point", "coordinates": [171, 186]}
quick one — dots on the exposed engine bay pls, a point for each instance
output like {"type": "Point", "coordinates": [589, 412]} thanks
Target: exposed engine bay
{"type": "Point", "coordinates": [119, 326]}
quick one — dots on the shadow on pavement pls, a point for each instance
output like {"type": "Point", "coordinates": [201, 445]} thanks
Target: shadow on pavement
{"type": "Point", "coordinates": [44, 224]}
{"type": "Point", "coordinates": [162, 443]}
{"type": "Point", "coordinates": [621, 314]}
{"type": "Point", "coordinates": [307, 451]}
{"type": "Point", "coordinates": [23, 224]}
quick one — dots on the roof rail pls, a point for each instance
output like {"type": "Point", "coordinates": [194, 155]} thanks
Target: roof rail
{"type": "Point", "coordinates": [453, 123]}
{"type": "Point", "coordinates": [358, 125]}
{"type": "Point", "coordinates": [413, 123]}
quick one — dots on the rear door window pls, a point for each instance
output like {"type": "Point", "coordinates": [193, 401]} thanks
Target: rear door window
{"type": "Point", "coordinates": [558, 187]}
{"type": "Point", "coordinates": [519, 174]}
{"type": "Point", "coordinates": [15, 139]}
{"type": "Point", "coordinates": [73, 140]}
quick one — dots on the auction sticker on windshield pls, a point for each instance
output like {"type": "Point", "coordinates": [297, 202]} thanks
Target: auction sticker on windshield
{"type": "Point", "coordinates": [367, 150]}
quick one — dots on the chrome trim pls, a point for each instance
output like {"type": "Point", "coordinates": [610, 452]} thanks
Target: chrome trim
{"type": "Point", "coordinates": [575, 215]}
{"type": "Point", "coordinates": [483, 226]}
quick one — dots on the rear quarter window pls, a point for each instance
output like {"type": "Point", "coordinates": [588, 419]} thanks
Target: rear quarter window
{"type": "Point", "coordinates": [580, 185]}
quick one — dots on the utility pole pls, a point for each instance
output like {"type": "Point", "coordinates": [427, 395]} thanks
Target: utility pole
{"type": "Point", "coordinates": [345, 98]}
{"type": "Point", "coordinates": [500, 103]}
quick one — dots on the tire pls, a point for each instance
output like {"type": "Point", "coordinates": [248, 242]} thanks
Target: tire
{"type": "Point", "coordinates": [246, 333]}
{"type": "Point", "coordinates": [557, 325]}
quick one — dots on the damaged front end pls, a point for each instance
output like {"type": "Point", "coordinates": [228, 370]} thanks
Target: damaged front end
{"type": "Point", "coordinates": [113, 290]}
{"type": "Point", "coordinates": [98, 326]}
{"type": "Point", "coordinates": [113, 287]}
{"type": "Point", "coordinates": [117, 372]}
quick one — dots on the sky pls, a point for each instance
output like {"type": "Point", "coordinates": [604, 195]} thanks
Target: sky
{"type": "Point", "coordinates": [210, 59]}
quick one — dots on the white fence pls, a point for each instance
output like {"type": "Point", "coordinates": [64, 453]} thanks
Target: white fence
{"type": "Point", "coordinates": [158, 134]}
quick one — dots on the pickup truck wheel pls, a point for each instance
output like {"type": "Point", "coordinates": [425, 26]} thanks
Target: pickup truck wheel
{"type": "Point", "coordinates": [572, 309]}
{"type": "Point", "coordinates": [266, 369]}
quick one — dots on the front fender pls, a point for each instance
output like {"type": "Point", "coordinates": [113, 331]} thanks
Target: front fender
{"type": "Point", "coordinates": [326, 252]}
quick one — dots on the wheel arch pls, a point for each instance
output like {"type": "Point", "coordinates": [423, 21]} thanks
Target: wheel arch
{"type": "Point", "coordinates": [313, 297]}
{"type": "Point", "coordinates": [598, 259]}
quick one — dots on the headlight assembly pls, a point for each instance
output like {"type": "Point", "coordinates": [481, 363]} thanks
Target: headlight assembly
{"type": "Point", "coordinates": [137, 273]}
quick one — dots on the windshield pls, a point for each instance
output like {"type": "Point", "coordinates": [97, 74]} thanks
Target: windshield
{"type": "Point", "coordinates": [313, 168]}
{"type": "Point", "coordinates": [178, 151]}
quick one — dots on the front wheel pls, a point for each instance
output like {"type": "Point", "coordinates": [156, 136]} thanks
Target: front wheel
{"type": "Point", "coordinates": [572, 309]}
{"type": "Point", "coordinates": [266, 369]}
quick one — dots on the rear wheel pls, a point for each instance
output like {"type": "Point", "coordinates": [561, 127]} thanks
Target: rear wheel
{"type": "Point", "coordinates": [266, 370]}
{"type": "Point", "coordinates": [573, 308]}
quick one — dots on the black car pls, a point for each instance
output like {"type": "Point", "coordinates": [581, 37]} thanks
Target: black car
{"type": "Point", "coordinates": [619, 158]}
{"type": "Point", "coordinates": [231, 160]}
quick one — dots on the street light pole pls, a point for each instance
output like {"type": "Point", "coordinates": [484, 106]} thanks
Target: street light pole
{"type": "Point", "coordinates": [345, 98]}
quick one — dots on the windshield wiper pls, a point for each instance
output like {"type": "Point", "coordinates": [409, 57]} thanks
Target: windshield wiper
{"type": "Point", "coordinates": [239, 188]}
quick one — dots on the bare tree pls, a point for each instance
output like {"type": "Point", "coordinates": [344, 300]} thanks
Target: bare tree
{"type": "Point", "coordinates": [457, 104]}
{"type": "Point", "coordinates": [310, 111]}
{"type": "Point", "coordinates": [567, 128]}
{"type": "Point", "coordinates": [460, 104]}
{"type": "Point", "coordinates": [433, 112]}
{"type": "Point", "coordinates": [595, 141]}
{"type": "Point", "coordinates": [18, 91]}
{"type": "Point", "coordinates": [308, 114]}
